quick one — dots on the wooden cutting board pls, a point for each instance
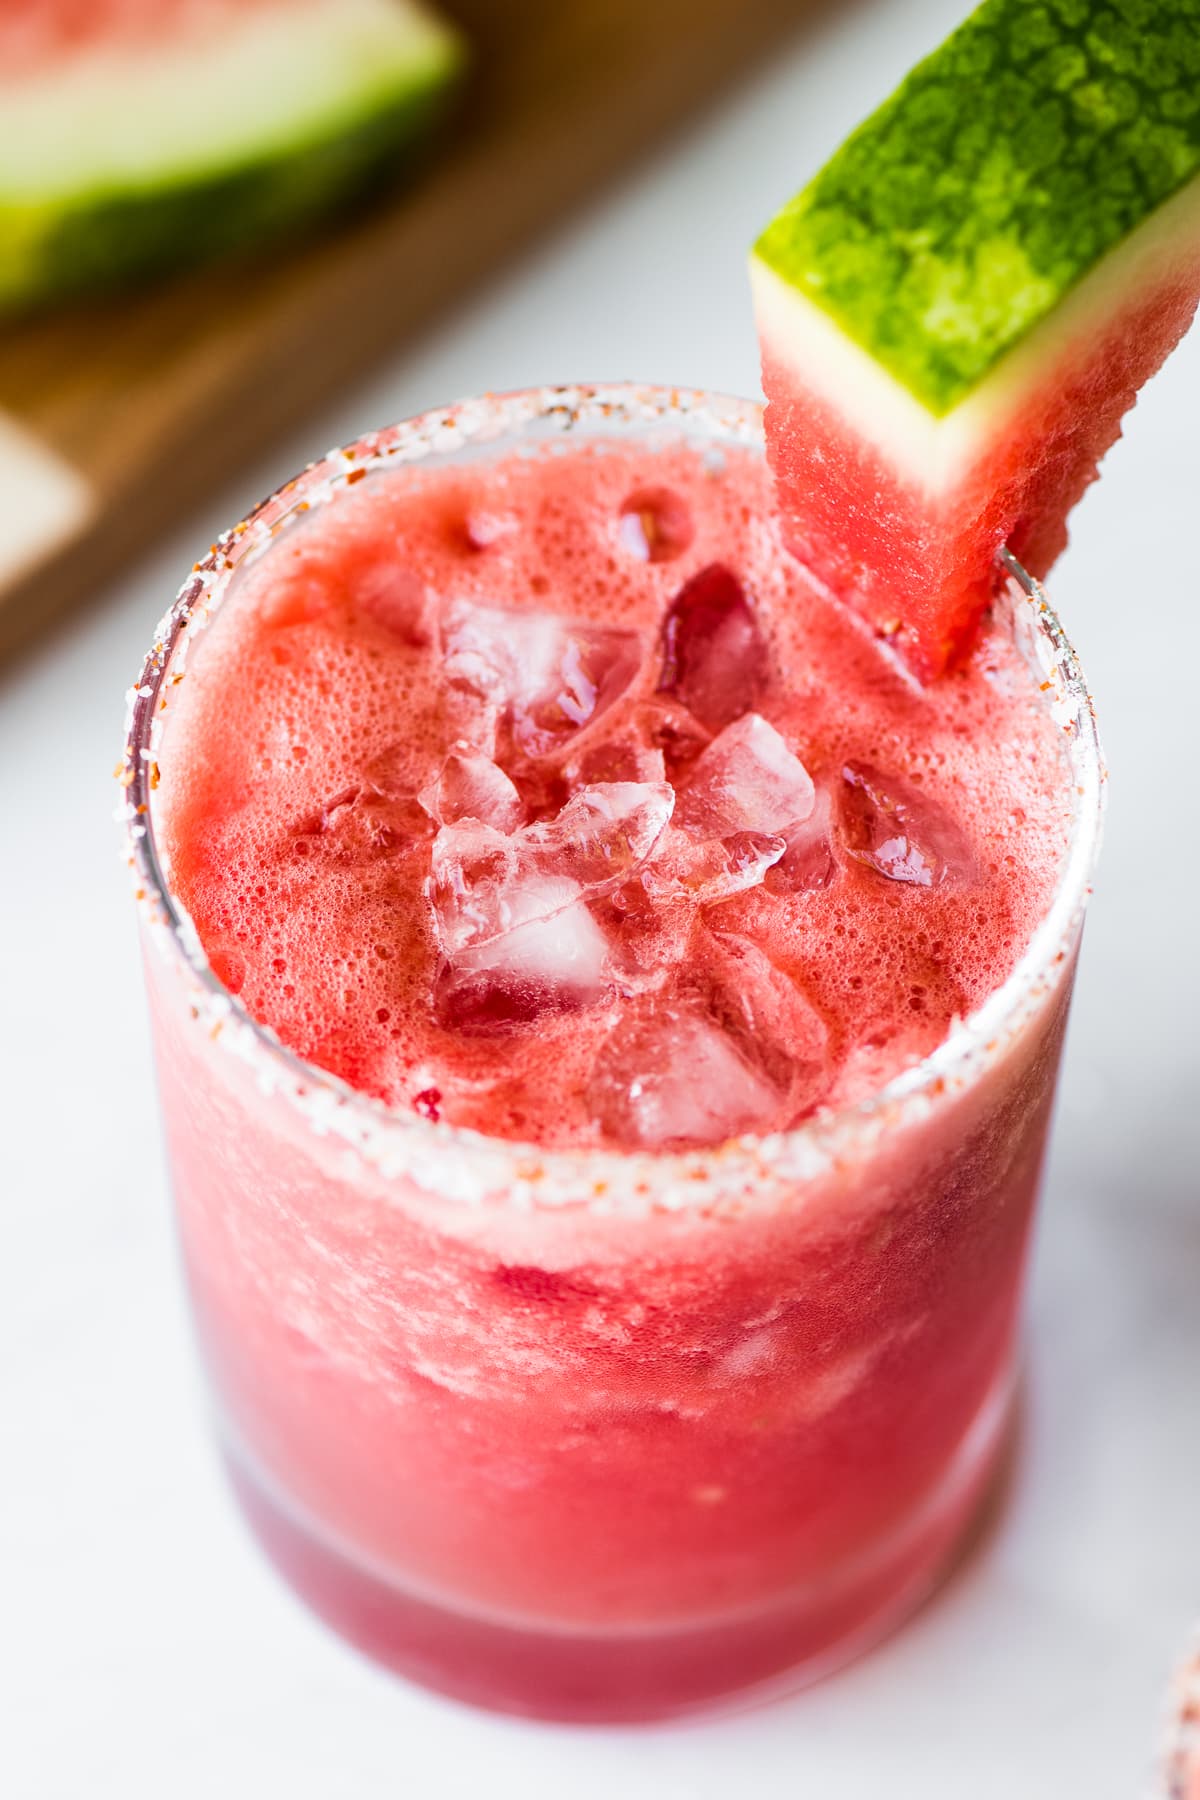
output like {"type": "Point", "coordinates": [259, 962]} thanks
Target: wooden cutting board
{"type": "Point", "coordinates": [115, 416]}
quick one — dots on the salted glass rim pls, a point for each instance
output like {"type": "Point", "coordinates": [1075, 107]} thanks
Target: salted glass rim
{"type": "Point", "coordinates": [453, 1162]}
{"type": "Point", "coordinates": [1181, 1752]}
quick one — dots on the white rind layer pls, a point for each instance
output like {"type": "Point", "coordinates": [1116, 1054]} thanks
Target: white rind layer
{"type": "Point", "coordinates": [43, 500]}
{"type": "Point", "coordinates": [102, 118]}
{"type": "Point", "coordinates": [935, 453]}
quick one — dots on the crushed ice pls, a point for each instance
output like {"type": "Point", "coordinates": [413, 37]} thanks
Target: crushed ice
{"type": "Point", "coordinates": [546, 676]}
{"type": "Point", "coordinates": [746, 780]}
{"type": "Point", "coordinates": [891, 826]}
{"type": "Point", "coordinates": [607, 802]}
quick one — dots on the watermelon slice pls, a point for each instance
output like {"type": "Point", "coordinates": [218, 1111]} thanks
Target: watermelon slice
{"type": "Point", "coordinates": [137, 133]}
{"type": "Point", "coordinates": [958, 310]}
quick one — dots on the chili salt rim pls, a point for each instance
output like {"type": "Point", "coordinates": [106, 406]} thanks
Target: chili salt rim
{"type": "Point", "coordinates": [456, 1164]}
{"type": "Point", "coordinates": [1180, 1765]}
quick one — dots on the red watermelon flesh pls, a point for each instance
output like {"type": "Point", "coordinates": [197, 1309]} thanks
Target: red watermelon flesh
{"type": "Point", "coordinates": [957, 312]}
{"type": "Point", "coordinates": [922, 565]}
{"type": "Point", "coordinates": [38, 33]}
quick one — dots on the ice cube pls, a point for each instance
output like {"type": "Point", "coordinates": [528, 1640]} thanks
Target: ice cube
{"type": "Point", "coordinates": [336, 806]}
{"type": "Point", "coordinates": [891, 826]}
{"type": "Point", "coordinates": [809, 861]}
{"type": "Point", "coordinates": [655, 524]}
{"type": "Point", "coordinates": [670, 729]}
{"type": "Point", "coordinates": [765, 1005]}
{"type": "Point", "coordinates": [603, 834]}
{"type": "Point", "coordinates": [463, 717]}
{"type": "Point", "coordinates": [393, 775]}
{"type": "Point", "coordinates": [296, 596]}
{"type": "Point", "coordinates": [746, 780]}
{"type": "Point", "coordinates": [484, 882]}
{"type": "Point", "coordinates": [669, 1077]}
{"type": "Point", "coordinates": [550, 676]}
{"type": "Point", "coordinates": [475, 886]}
{"type": "Point", "coordinates": [714, 656]}
{"type": "Point", "coordinates": [552, 957]}
{"type": "Point", "coordinates": [476, 652]}
{"type": "Point", "coordinates": [709, 870]}
{"type": "Point", "coordinates": [511, 909]}
{"type": "Point", "coordinates": [650, 929]}
{"type": "Point", "coordinates": [396, 771]}
{"type": "Point", "coordinates": [471, 786]}
{"type": "Point", "coordinates": [626, 757]}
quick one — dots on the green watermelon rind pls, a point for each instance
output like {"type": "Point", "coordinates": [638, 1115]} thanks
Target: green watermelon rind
{"type": "Point", "coordinates": [104, 237]}
{"type": "Point", "coordinates": [1002, 170]}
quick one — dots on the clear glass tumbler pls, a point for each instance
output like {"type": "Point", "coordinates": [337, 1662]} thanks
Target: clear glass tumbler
{"type": "Point", "coordinates": [1181, 1761]}
{"type": "Point", "coordinates": [596, 1435]}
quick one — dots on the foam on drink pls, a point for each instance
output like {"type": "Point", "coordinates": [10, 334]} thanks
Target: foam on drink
{"type": "Point", "coordinates": [602, 834]}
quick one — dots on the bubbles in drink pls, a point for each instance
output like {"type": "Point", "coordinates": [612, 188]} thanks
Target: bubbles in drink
{"type": "Point", "coordinates": [714, 655]}
{"type": "Point", "coordinates": [356, 826]}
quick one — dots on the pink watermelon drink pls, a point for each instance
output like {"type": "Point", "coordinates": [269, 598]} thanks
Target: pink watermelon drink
{"type": "Point", "coordinates": [1181, 1767]}
{"type": "Point", "coordinates": [607, 1017]}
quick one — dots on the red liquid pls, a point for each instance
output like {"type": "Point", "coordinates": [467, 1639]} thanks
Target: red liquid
{"type": "Point", "coordinates": [565, 1460]}
{"type": "Point", "coordinates": [327, 696]}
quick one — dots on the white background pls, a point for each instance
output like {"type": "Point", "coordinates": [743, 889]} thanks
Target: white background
{"type": "Point", "coordinates": [145, 1652]}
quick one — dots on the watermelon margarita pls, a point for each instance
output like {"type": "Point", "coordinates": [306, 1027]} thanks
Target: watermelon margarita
{"type": "Point", "coordinates": [605, 1200]}
{"type": "Point", "coordinates": [1181, 1767]}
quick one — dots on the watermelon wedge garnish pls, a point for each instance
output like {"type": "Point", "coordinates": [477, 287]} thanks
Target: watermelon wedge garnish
{"type": "Point", "coordinates": [139, 133]}
{"type": "Point", "coordinates": [956, 313]}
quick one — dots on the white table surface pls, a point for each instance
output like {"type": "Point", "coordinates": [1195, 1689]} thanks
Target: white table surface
{"type": "Point", "coordinates": [145, 1651]}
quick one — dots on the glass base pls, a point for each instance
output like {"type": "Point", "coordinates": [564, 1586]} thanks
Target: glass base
{"type": "Point", "coordinates": [637, 1676]}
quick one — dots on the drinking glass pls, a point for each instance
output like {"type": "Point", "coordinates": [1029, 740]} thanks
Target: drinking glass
{"type": "Point", "coordinates": [1181, 1762]}
{"type": "Point", "coordinates": [601, 1435]}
